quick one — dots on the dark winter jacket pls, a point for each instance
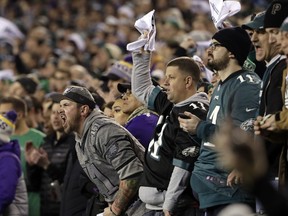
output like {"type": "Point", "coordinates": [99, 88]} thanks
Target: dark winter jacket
{"type": "Point", "coordinates": [50, 180]}
{"type": "Point", "coordinates": [73, 201]}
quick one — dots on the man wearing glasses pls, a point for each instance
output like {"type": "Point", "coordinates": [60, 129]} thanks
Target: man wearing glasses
{"type": "Point", "coordinates": [236, 96]}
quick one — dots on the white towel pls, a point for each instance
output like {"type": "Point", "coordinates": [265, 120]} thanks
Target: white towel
{"type": "Point", "coordinates": [146, 26]}
{"type": "Point", "coordinates": [9, 31]}
{"type": "Point", "coordinates": [221, 10]}
{"type": "Point", "coordinates": [6, 74]}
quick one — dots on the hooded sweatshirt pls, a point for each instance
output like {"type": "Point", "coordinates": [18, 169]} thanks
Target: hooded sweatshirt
{"type": "Point", "coordinates": [172, 152]}
{"type": "Point", "coordinates": [10, 173]}
{"type": "Point", "coordinates": [108, 153]}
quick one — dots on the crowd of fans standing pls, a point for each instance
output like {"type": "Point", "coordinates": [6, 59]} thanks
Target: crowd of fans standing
{"type": "Point", "coordinates": [83, 43]}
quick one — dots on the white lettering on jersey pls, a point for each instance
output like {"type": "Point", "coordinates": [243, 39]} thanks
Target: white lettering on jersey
{"type": "Point", "coordinates": [193, 105]}
{"type": "Point", "coordinates": [214, 114]}
{"type": "Point", "coordinates": [154, 146]}
{"type": "Point", "coordinates": [251, 79]}
{"type": "Point", "coordinates": [202, 105]}
{"type": "Point", "coordinates": [199, 105]}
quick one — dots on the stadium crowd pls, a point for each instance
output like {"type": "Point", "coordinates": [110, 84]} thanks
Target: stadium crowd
{"type": "Point", "coordinates": [196, 126]}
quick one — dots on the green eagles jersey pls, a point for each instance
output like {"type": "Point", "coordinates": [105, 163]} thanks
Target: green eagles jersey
{"type": "Point", "coordinates": [238, 98]}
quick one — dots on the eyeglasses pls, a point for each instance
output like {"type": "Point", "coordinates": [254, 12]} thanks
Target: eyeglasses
{"type": "Point", "coordinates": [214, 45]}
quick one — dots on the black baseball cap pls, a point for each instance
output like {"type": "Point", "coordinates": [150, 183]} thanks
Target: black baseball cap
{"type": "Point", "coordinates": [276, 14]}
{"type": "Point", "coordinates": [122, 87]}
{"type": "Point", "coordinates": [77, 94]}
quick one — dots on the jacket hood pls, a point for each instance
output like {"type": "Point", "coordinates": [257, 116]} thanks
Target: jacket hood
{"type": "Point", "coordinates": [198, 97]}
{"type": "Point", "coordinates": [12, 146]}
{"type": "Point", "coordinates": [95, 114]}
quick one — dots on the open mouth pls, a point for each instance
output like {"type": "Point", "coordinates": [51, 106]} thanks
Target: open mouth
{"type": "Point", "coordinates": [63, 119]}
{"type": "Point", "coordinates": [258, 48]}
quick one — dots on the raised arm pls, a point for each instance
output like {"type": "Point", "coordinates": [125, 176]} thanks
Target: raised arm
{"type": "Point", "coordinates": [142, 86]}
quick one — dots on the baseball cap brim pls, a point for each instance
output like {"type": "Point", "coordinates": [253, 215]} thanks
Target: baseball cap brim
{"type": "Point", "coordinates": [256, 23]}
{"type": "Point", "coordinates": [73, 96]}
{"type": "Point", "coordinates": [122, 87]}
{"type": "Point", "coordinates": [57, 97]}
{"type": "Point", "coordinates": [253, 25]}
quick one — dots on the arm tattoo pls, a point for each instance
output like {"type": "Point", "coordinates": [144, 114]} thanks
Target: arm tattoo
{"type": "Point", "coordinates": [128, 188]}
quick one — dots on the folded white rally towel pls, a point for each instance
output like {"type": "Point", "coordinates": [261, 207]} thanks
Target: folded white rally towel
{"type": "Point", "coordinates": [146, 26]}
{"type": "Point", "coordinates": [221, 10]}
{"type": "Point", "coordinates": [9, 30]}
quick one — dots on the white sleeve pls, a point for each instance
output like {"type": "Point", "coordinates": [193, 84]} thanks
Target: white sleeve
{"type": "Point", "coordinates": [179, 181]}
{"type": "Point", "coordinates": [142, 86]}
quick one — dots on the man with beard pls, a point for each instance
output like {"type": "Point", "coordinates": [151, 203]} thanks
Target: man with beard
{"type": "Point", "coordinates": [172, 152]}
{"type": "Point", "coordinates": [236, 96]}
{"type": "Point", "coordinates": [109, 155]}
{"type": "Point", "coordinates": [61, 179]}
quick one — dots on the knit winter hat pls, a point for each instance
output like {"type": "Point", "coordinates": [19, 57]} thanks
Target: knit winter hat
{"type": "Point", "coordinates": [28, 84]}
{"type": "Point", "coordinates": [275, 14]}
{"type": "Point", "coordinates": [236, 40]}
{"type": "Point", "coordinates": [7, 123]}
{"type": "Point", "coordinates": [119, 70]}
